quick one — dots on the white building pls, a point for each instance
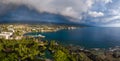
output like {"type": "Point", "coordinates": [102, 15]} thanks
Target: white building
{"type": "Point", "coordinates": [6, 35]}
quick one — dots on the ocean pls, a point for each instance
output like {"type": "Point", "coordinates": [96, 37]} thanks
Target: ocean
{"type": "Point", "coordinates": [87, 37]}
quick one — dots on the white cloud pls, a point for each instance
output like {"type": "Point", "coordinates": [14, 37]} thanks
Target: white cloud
{"type": "Point", "coordinates": [110, 19]}
{"type": "Point", "coordinates": [90, 3]}
{"type": "Point", "coordinates": [113, 12]}
{"type": "Point", "coordinates": [113, 18]}
{"type": "Point", "coordinates": [105, 1]}
{"type": "Point", "coordinates": [95, 14]}
{"type": "Point", "coordinates": [69, 11]}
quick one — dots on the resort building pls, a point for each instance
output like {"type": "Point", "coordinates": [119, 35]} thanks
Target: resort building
{"type": "Point", "coordinates": [6, 35]}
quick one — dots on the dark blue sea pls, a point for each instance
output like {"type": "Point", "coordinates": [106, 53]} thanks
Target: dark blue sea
{"type": "Point", "coordinates": [88, 37]}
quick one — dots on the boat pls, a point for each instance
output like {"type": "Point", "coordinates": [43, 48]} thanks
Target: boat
{"type": "Point", "coordinates": [41, 36]}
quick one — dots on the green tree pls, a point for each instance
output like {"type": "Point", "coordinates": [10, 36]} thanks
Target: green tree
{"type": "Point", "coordinates": [60, 56]}
{"type": "Point", "coordinates": [17, 50]}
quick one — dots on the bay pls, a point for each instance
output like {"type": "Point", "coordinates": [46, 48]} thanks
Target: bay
{"type": "Point", "coordinates": [88, 37]}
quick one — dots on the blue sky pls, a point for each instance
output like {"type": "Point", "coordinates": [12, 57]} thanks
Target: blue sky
{"type": "Point", "coordinates": [94, 12]}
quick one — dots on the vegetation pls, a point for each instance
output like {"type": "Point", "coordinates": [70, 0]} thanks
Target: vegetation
{"type": "Point", "coordinates": [60, 56]}
{"type": "Point", "coordinates": [20, 50]}
{"type": "Point", "coordinates": [34, 50]}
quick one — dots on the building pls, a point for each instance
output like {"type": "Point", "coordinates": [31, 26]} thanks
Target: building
{"type": "Point", "coordinates": [6, 35]}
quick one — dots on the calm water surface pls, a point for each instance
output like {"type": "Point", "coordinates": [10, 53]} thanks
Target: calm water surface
{"type": "Point", "coordinates": [89, 37]}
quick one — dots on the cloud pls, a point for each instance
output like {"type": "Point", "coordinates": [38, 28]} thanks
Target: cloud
{"type": "Point", "coordinates": [108, 19]}
{"type": "Point", "coordinates": [72, 8]}
{"type": "Point", "coordinates": [107, 1]}
{"type": "Point", "coordinates": [104, 1]}
{"type": "Point", "coordinates": [5, 8]}
{"type": "Point", "coordinates": [105, 12]}
{"type": "Point", "coordinates": [98, 10]}
{"type": "Point", "coordinates": [95, 14]}
{"type": "Point", "coordinates": [69, 11]}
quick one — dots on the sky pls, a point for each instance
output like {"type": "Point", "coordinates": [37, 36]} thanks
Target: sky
{"type": "Point", "coordinates": [93, 12]}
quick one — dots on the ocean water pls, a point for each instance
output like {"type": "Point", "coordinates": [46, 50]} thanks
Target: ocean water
{"type": "Point", "coordinates": [88, 37]}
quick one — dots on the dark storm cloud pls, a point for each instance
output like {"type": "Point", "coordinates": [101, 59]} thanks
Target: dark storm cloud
{"type": "Point", "coordinates": [99, 10]}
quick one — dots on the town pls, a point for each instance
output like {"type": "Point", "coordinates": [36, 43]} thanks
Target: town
{"type": "Point", "coordinates": [16, 31]}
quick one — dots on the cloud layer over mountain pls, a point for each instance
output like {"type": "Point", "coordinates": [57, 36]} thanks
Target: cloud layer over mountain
{"type": "Point", "coordinates": [98, 11]}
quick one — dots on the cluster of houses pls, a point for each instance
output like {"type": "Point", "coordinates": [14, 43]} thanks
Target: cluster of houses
{"type": "Point", "coordinates": [8, 34]}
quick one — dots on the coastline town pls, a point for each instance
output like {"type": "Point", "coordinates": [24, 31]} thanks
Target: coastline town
{"type": "Point", "coordinates": [17, 31]}
{"type": "Point", "coordinates": [13, 46]}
